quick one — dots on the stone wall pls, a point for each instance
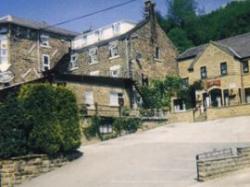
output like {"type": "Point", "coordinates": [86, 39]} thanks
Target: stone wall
{"type": "Point", "coordinates": [129, 46]}
{"type": "Point", "coordinates": [26, 52]}
{"type": "Point", "coordinates": [230, 111]}
{"type": "Point", "coordinates": [209, 168]}
{"type": "Point", "coordinates": [187, 116]}
{"type": "Point", "coordinates": [20, 169]}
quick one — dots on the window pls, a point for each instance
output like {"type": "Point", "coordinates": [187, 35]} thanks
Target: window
{"type": "Point", "coordinates": [115, 71]}
{"type": "Point", "coordinates": [94, 73]}
{"type": "Point", "coordinates": [245, 66]}
{"type": "Point", "coordinates": [44, 40]}
{"type": "Point", "coordinates": [223, 68]}
{"type": "Point", "coordinates": [203, 72]}
{"type": "Point", "coordinates": [45, 63]}
{"type": "Point", "coordinates": [116, 28]}
{"type": "Point", "coordinates": [157, 53]}
{"type": "Point", "coordinates": [113, 49]}
{"type": "Point", "coordinates": [73, 62]}
{"type": "Point", "coordinates": [116, 98]}
{"type": "Point", "coordinates": [3, 50]}
{"type": "Point", "coordinates": [105, 129]}
{"type": "Point", "coordinates": [93, 55]}
{"type": "Point", "coordinates": [89, 99]}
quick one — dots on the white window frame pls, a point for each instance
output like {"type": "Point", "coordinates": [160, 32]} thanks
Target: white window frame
{"type": "Point", "coordinates": [45, 65]}
{"type": "Point", "coordinates": [93, 57]}
{"type": "Point", "coordinates": [106, 129]}
{"type": "Point", "coordinates": [116, 27]}
{"type": "Point", "coordinates": [74, 62]}
{"type": "Point", "coordinates": [89, 99]}
{"type": "Point", "coordinates": [114, 98]}
{"type": "Point", "coordinates": [44, 39]}
{"type": "Point", "coordinates": [113, 50]}
{"type": "Point", "coordinates": [115, 71]}
{"type": "Point", "coordinates": [4, 52]}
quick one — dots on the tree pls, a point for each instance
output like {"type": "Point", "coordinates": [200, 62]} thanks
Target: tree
{"type": "Point", "coordinates": [181, 12]}
{"type": "Point", "coordinates": [180, 39]}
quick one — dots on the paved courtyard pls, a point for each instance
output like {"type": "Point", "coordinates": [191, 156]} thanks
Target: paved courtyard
{"type": "Point", "coordinates": [162, 157]}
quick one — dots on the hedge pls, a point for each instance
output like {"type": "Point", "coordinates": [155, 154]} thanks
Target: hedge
{"type": "Point", "coordinates": [44, 121]}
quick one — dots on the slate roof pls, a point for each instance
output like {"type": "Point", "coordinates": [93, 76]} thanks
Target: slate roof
{"type": "Point", "coordinates": [36, 25]}
{"type": "Point", "coordinates": [238, 45]}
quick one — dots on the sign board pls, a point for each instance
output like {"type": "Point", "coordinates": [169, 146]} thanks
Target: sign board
{"type": "Point", "coordinates": [211, 83]}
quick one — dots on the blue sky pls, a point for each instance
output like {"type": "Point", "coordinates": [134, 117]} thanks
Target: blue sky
{"type": "Point", "coordinates": [54, 11]}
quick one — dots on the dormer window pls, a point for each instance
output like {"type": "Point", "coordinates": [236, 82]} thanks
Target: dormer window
{"type": "Point", "coordinates": [113, 49]}
{"type": "Point", "coordinates": [116, 28]}
{"type": "Point", "coordinates": [44, 40]}
{"type": "Point", "coordinates": [93, 58]}
{"type": "Point", "coordinates": [73, 62]}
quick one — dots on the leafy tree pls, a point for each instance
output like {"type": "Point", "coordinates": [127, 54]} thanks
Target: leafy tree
{"type": "Point", "coordinates": [181, 12]}
{"type": "Point", "coordinates": [180, 39]}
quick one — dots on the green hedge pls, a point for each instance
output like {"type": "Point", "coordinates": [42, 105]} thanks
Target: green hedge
{"type": "Point", "coordinates": [45, 121]}
{"type": "Point", "coordinates": [120, 124]}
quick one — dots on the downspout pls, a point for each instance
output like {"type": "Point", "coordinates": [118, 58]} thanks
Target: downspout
{"type": "Point", "coordinates": [38, 52]}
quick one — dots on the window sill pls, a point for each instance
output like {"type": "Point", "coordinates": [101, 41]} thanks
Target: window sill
{"type": "Point", "coordinates": [112, 105]}
{"type": "Point", "coordinates": [158, 60]}
{"type": "Point", "coordinates": [73, 69]}
{"type": "Point", "coordinates": [93, 63]}
{"type": "Point", "coordinates": [46, 46]}
{"type": "Point", "coordinates": [114, 57]}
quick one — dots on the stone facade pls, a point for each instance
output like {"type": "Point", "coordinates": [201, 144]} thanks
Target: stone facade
{"type": "Point", "coordinates": [135, 54]}
{"type": "Point", "coordinates": [26, 51]}
{"type": "Point", "coordinates": [103, 98]}
{"type": "Point", "coordinates": [231, 88]}
{"type": "Point", "coordinates": [222, 163]}
{"type": "Point", "coordinates": [20, 169]}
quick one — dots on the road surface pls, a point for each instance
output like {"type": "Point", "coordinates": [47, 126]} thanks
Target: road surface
{"type": "Point", "coordinates": [162, 157]}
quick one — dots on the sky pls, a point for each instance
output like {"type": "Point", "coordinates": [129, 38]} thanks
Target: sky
{"type": "Point", "coordinates": [54, 11]}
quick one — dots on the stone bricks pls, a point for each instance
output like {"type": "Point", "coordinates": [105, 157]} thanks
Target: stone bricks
{"type": "Point", "coordinates": [215, 167]}
{"type": "Point", "coordinates": [17, 170]}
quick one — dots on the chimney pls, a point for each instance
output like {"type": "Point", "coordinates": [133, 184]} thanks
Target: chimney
{"type": "Point", "coordinates": [149, 10]}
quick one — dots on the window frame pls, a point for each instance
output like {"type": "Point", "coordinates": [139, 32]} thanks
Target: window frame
{"type": "Point", "coordinates": [118, 95]}
{"type": "Point", "coordinates": [223, 69]}
{"type": "Point", "coordinates": [90, 105]}
{"type": "Point", "coordinates": [113, 50]}
{"type": "Point", "coordinates": [74, 63]}
{"type": "Point", "coordinates": [244, 68]}
{"type": "Point", "coordinates": [91, 62]}
{"type": "Point", "coordinates": [46, 42]}
{"type": "Point", "coordinates": [157, 54]}
{"type": "Point", "coordinates": [202, 72]}
{"type": "Point", "coordinates": [46, 65]}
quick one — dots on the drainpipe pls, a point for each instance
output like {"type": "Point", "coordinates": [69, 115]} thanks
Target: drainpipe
{"type": "Point", "coordinates": [242, 92]}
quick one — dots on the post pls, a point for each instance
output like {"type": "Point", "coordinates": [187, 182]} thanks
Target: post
{"type": "Point", "coordinates": [197, 168]}
{"type": "Point", "coordinates": [96, 109]}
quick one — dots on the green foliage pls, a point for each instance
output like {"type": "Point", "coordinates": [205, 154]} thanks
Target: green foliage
{"type": "Point", "coordinates": [119, 124]}
{"type": "Point", "coordinates": [93, 129]}
{"type": "Point", "coordinates": [180, 39]}
{"type": "Point", "coordinates": [41, 119]}
{"type": "Point", "coordinates": [159, 93]}
{"type": "Point", "coordinates": [186, 29]}
{"type": "Point", "coordinates": [13, 131]}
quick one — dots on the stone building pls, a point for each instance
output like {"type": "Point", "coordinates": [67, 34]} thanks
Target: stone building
{"type": "Point", "coordinates": [110, 63]}
{"type": "Point", "coordinates": [29, 48]}
{"type": "Point", "coordinates": [223, 69]}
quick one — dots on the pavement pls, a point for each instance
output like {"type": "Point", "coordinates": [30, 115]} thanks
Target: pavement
{"type": "Point", "coordinates": [161, 157]}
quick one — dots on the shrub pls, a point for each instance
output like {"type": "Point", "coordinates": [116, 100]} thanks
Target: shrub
{"type": "Point", "coordinates": [13, 129]}
{"type": "Point", "coordinates": [126, 124]}
{"type": "Point", "coordinates": [52, 116]}
{"type": "Point", "coordinates": [93, 129]}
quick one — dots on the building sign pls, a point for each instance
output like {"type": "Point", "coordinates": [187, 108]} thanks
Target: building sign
{"type": "Point", "coordinates": [211, 83]}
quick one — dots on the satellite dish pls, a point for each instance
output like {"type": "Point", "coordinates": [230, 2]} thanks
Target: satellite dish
{"type": "Point", "coordinates": [6, 77]}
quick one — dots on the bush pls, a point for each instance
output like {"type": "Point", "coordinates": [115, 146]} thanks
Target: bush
{"type": "Point", "coordinates": [93, 129]}
{"type": "Point", "coordinates": [13, 130]}
{"type": "Point", "coordinates": [41, 119]}
{"type": "Point", "coordinates": [127, 124]}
